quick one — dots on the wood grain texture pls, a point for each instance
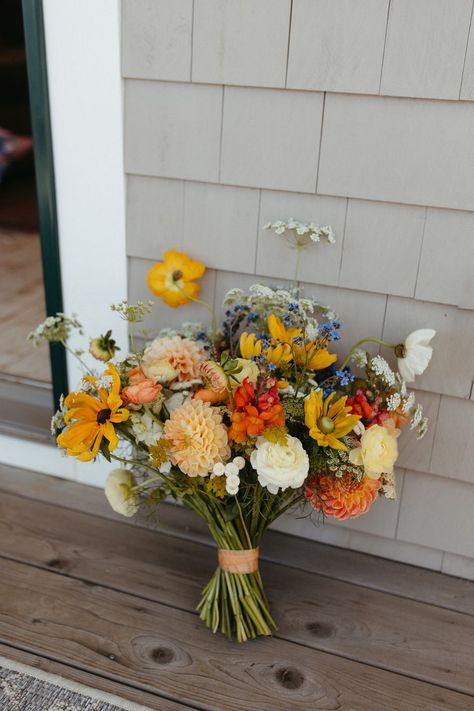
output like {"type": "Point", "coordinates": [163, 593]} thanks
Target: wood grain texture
{"type": "Point", "coordinates": [425, 642]}
{"type": "Point", "coordinates": [22, 305]}
{"type": "Point", "coordinates": [350, 566]}
{"type": "Point", "coordinates": [167, 651]}
{"type": "Point", "coordinates": [91, 680]}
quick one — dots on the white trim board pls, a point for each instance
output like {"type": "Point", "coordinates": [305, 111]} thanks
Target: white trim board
{"type": "Point", "coordinates": [85, 90]}
{"type": "Point", "coordinates": [48, 459]}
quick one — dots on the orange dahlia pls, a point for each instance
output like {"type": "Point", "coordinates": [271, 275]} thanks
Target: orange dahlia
{"type": "Point", "coordinates": [342, 498]}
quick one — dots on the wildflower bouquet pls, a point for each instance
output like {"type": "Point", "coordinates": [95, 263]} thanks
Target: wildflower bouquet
{"type": "Point", "coordinates": [241, 423]}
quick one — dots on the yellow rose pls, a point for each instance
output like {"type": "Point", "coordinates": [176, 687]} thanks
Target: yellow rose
{"type": "Point", "coordinates": [249, 370]}
{"type": "Point", "coordinates": [378, 451]}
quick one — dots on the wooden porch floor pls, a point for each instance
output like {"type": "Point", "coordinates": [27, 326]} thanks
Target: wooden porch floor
{"type": "Point", "coordinates": [111, 604]}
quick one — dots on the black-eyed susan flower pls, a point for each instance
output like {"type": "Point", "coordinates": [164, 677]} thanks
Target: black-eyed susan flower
{"type": "Point", "coordinates": [328, 421]}
{"type": "Point", "coordinates": [90, 419]}
{"type": "Point", "coordinates": [173, 278]}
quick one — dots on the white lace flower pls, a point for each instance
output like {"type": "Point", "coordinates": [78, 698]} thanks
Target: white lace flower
{"type": "Point", "coordinates": [393, 402]}
{"type": "Point", "coordinates": [415, 353]}
{"type": "Point", "coordinates": [145, 428]}
{"type": "Point", "coordinates": [280, 466]}
{"type": "Point", "coordinates": [408, 403]}
{"type": "Point", "coordinates": [359, 358]}
{"type": "Point", "coordinates": [381, 368]}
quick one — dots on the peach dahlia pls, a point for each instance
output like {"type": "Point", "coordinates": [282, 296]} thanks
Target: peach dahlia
{"type": "Point", "coordinates": [197, 437]}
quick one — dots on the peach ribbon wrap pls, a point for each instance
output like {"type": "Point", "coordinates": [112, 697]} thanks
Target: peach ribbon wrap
{"type": "Point", "coordinates": [244, 561]}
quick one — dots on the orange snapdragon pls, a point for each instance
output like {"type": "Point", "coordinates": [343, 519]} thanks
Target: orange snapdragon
{"type": "Point", "coordinates": [253, 414]}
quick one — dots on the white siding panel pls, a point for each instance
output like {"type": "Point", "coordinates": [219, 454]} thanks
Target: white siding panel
{"type": "Point", "coordinates": [458, 565]}
{"type": "Point", "coordinates": [155, 209]}
{"type": "Point", "coordinates": [271, 138]}
{"type": "Point", "coordinates": [425, 48]}
{"type": "Point", "coordinates": [320, 263]}
{"type": "Point", "coordinates": [453, 449]}
{"type": "Point", "coordinates": [172, 130]}
{"type": "Point", "coordinates": [437, 512]}
{"type": "Point", "coordinates": [467, 86]}
{"type": "Point", "coordinates": [220, 225]}
{"type": "Point", "coordinates": [396, 550]}
{"type": "Point", "coordinates": [361, 313]}
{"type": "Point", "coordinates": [337, 45]}
{"type": "Point", "coordinates": [381, 247]}
{"type": "Point", "coordinates": [156, 39]}
{"type": "Point", "coordinates": [416, 453]}
{"type": "Point", "coordinates": [452, 367]}
{"type": "Point", "coordinates": [243, 42]}
{"type": "Point", "coordinates": [447, 260]}
{"type": "Point", "coordinates": [399, 150]}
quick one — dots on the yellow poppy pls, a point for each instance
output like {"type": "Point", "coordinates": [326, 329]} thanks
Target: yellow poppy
{"type": "Point", "coordinates": [305, 353]}
{"type": "Point", "coordinates": [328, 421]}
{"type": "Point", "coordinates": [172, 279]}
{"type": "Point", "coordinates": [89, 419]}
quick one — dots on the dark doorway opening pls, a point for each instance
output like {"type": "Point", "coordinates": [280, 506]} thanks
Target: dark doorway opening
{"type": "Point", "coordinates": [30, 285]}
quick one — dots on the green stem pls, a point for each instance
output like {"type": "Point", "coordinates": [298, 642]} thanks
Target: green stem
{"type": "Point", "coordinates": [208, 307]}
{"type": "Point", "coordinates": [360, 343]}
{"type": "Point", "coordinates": [78, 357]}
{"type": "Point", "coordinates": [299, 249]}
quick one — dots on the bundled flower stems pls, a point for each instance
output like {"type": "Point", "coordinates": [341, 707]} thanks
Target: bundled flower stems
{"type": "Point", "coordinates": [241, 423]}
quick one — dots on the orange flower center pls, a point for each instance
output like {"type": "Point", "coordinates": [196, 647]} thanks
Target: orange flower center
{"type": "Point", "coordinates": [177, 275]}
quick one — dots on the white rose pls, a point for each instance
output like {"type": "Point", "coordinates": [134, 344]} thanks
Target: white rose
{"type": "Point", "coordinates": [278, 466]}
{"type": "Point", "coordinates": [119, 492]}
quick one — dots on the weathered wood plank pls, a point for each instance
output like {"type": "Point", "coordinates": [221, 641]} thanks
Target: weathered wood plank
{"type": "Point", "coordinates": [419, 640]}
{"type": "Point", "coordinates": [165, 650]}
{"type": "Point", "coordinates": [93, 681]}
{"type": "Point", "coordinates": [358, 568]}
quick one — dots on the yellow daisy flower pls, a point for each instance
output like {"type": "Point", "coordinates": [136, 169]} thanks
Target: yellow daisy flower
{"type": "Point", "coordinates": [328, 421]}
{"type": "Point", "coordinates": [172, 279]}
{"type": "Point", "coordinates": [90, 419]}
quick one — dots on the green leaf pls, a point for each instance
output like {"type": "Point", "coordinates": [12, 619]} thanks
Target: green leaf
{"type": "Point", "coordinates": [231, 511]}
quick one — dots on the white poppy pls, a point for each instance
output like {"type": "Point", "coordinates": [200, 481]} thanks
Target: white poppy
{"type": "Point", "coordinates": [416, 354]}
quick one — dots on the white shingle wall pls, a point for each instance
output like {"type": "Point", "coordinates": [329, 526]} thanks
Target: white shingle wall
{"type": "Point", "coordinates": [352, 113]}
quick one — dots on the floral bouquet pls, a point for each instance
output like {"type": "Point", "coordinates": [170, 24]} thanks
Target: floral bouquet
{"type": "Point", "coordinates": [241, 423]}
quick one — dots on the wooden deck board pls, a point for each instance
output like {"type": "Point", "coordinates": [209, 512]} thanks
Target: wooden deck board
{"type": "Point", "coordinates": [93, 681]}
{"type": "Point", "coordinates": [164, 650]}
{"type": "Point", "coordinates": [427, 642]}
{"type": "Point", "coordinates": [359, 568]}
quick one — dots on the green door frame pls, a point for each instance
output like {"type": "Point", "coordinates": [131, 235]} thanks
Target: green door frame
{"type": "Point", "coordinates": [35, 44]}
